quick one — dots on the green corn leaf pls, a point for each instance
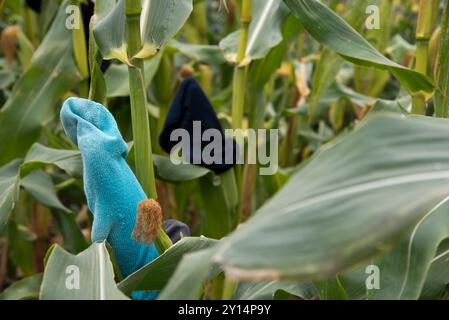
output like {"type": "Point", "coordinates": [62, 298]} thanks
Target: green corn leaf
{"type": "Point", "coordinates": [332, 31]}
{"type": "Point", "coordinates": [70, 161]}
{"type": "Point", "coordinates": [331, 289]}
{"type": "Point", "coordinates": [438, 276]}
{"type": "Point", "coordinates": [40, 186]}
{"type": "Point", "coordinates": [190, 275]}
{"type": "Point", "coordinates": [267, 290]}
{"type": "Point", "coordinates": [264, 31]}
{"type": "Point", "coordinates": [74, 240]}
{"type": "Point", "coordinates": [40, 156]}
{"type": "Point", "coordinates": [404, 270]}
{"type": "Point", "coordinates": [217, 211]}
{"type": "Point", "coordinates": [207, 54]}
{"type": "Point", "coordinates": [167, 171]}
{"type": "Point", "coordinates": [86, 276]}
{"type": "Point", "coordinates": [401, 105]}
{"type": "Point", "coordinates": [9, 189]}
{"type": "Point", "coordinates": [156, 274]}
{"type": "Point", "coordinates": [31, 105]}
{"type": "Point", "coordinates": [25, 289]}
{"type": "Point", "coordinates": [110, 30]}
{"type": "Point", "coordinates": [116, 77]}
{"type": "Point", "coordinates": [160, 21]}
{"type": "Point", "coordinates": [319, 227]}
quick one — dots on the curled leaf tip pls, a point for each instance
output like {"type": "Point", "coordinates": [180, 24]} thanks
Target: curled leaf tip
{"type": "Point", "coordinates": [148, 222]}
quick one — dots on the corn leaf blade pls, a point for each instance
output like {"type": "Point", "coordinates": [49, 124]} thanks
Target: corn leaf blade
{"type": "Point", "coordinates": [156, 274]}
{"type": "Point", "coordinates": [319, 227]}
{"type": "Point", "coordinates": [332, 31]}
{"type": "Point", "coordinates": [264, 31]}
{"type": "Point", "coordinates": [160, 21]}
{"type": "Point", "coordinates": [30, 106]}
{"type": "Point", "coordinates": [95, 275]}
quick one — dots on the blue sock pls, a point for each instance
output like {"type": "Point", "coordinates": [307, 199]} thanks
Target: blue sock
{"type": "Point", "coordinates": [111, 188]}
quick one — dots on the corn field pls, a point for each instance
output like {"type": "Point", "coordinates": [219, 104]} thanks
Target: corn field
{"type": "Point", "coordinates": [224, 149]}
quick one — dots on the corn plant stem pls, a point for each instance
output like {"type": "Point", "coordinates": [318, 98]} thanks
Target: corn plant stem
{"type": "Point", "coordinates": [426, 20]}
{"type": "Point", "coordinates": [163, 90]}
{"type": "Point", "coordinates": [419, 100]}
{"type": "Point", "coordinates": [240, 79]}
{"type": "Point", "coordinates": [31, 26]}
{"type": "Point", "coordinates": [139, 114]}
{"type": "Point", "coordinates": [240, 73]}
{"type": "Point", "coordinates": [199, 16]}
{"type": "Point", "coordinates": [442, 73]}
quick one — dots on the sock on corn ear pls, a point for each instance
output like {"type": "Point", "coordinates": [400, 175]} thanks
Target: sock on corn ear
{"type": "Point", "coordinates": [113, 192]}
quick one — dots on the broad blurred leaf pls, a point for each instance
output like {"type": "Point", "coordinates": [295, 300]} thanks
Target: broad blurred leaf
{"type": "Point", "coordinates": [24, 289]}
{"type": "Point", "coordinates": [156, 274]}
{"type": "Point", "coordinates": [91, 269]}
{"type": "Point", "coordinates": [319, 227]}
{"type": "Point", "coordinates": [39, 157]}
{"type": "Point", "coordinates": [264, 31]}
{"type": "Point", "coordinates": [404, 270]}
{"type": "Point", "coordinates": [160, 21]}
{"type": "Point", "coordinates": [332, 31]}
{"type": "Point", "coordinates": [51, 75]}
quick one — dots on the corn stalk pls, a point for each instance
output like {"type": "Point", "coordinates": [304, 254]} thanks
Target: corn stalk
{"type": "Point", "coordinates": [139, 114]}
{"type": "Point", "coordinates": [240, 72]}
{"type": "Point", "coordinates": [442, 73]}
{"type": "Point", "coordinates": [426, 20]}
